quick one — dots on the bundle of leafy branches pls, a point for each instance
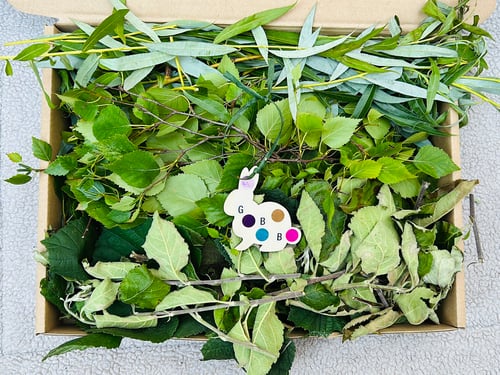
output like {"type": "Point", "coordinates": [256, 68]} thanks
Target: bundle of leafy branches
{"type": "Point", "coordinates": [162, 119]}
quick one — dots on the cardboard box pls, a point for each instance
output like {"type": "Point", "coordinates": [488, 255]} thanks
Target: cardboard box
{"type": "Point", "coordinates": [333, 16]}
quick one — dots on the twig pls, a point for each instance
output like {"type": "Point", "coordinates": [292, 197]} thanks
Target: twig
{"type": "Point", "coordinates": [475, 229]}
{"type": "Point", "coordinates": [268, 279]}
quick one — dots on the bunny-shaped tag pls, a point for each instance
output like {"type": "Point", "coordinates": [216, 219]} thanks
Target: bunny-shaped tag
{"type": "Point", "coordinates": [267, 224]}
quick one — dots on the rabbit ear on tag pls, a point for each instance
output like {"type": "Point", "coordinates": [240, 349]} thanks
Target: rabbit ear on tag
{"type": "Point", "coordinates": [246, 183]}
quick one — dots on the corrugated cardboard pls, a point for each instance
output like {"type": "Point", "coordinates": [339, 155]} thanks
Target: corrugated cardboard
{"type": "Point", "coordinates": [332, 16]}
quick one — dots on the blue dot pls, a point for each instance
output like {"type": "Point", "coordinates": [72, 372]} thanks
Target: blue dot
{"type": "Point", "coordinates": [262, 234]}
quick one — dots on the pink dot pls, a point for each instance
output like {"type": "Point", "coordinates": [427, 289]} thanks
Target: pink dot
{"type": "Point", "coordinates": [292, 235]}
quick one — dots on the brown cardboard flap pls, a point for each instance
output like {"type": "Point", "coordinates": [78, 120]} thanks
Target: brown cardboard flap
{"type": "Point", "coordinates": [331, 15]}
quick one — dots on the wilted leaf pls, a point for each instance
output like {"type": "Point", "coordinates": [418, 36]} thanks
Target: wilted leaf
{"type": "Point", "coordinates": [445, 265]}
{"type": "Point", "coordinates": [185, 296]}
{"type": "Point", "coordinates": [281, 262]}
{"type": "Point", "coordinates": [312, 223]}
{"type": "Point", "coordinates": [413, 305]}
{"type": "Point", "coordinates": [102, 297]}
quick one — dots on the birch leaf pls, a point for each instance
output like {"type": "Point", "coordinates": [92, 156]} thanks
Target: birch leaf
{"type": "Point", "coordinates": [166, 246]}
{"type": "Point", "coordinates": [312, 223]}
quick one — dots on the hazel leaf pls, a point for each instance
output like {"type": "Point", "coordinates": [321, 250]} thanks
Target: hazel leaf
{"type": "Point", "coordinates": [137, 168]}
{"type": "Point", "coordinates": [181, 193]}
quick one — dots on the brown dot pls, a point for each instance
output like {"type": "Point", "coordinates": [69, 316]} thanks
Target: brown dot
{"type": "Point", "coordinates": [278, 215]}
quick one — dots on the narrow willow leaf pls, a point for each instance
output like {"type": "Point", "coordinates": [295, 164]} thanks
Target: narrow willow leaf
{"type": "Point", "coordinates": [135, 21]}
{"type": "Point", "coordinates": [136, 77]}
{"type": "Point", "coordinates": [87, 69]}
{"type": "Point", "coordinates": [102, 297]}
{"type": "Point", "coordinates": [365, 102]}
{"type": "Point", "coordinates": [434, 161]}
{"type": "Point", "coordinates": [41, 149]}
{"type": "Point", "coordinates": [166, 246]}
{"type": "Point", "coordinates": [92, 340]}
{"type": "Point", "coordinates": [409, 251]}
{"type": "Point", "coordinates": [421, 51]}
{"type": "Point", "coordinates": [481, 84]}
{"type": "Point", "coordinates": [312, 223]}
{"type": "Point", "coordinates": [259, 34]}
{"type": "Point", "coordinates": [104, 28]}
{"type": "Point", "coordinates": [130, 322]}
{"type": "Point", "coordinates": [281, 262]}
{"type": "Point", "coordinates": [137, 61]}
{"type": "Point", "coordinates": [32, 51]}
{"type": "Point", "coordinates": [251, 22]}
{"type": "Point", "coordinates": [190, 48]}
{"type": "Point", "coordinates": [185, 296]}
{"type": "Point", "coordinates": [181, 193]}
{"type": "Point", "coordinates": [433, 87]}
{"type": "Point", "coordinates": [196, 68]}
{"type": "Point", "coordinates": [109, 270]}
{"type": "Point", "coordinates": [108, 41]}
{"type": "Point", "coordinates": [404, 88]}
{"type": "Point", "coordinates": [380, 61]}
{"type": "Point", "coordinates": [301, 53]}
{"type": "Point", "coordinates": [338, 130]}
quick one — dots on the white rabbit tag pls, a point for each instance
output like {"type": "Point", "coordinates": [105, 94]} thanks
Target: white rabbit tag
{"type": "Point", "coordinates": [267, 224]}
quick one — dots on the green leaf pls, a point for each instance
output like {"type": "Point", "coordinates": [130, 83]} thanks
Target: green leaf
{"type": "Point", "coordinates": [319, 297]}
{"type": "Point", "coordinates": [337, 258]}
{"type": "Point", "coordinates": [185, 296]}
{"type": "Point", "coordinates": [369, 324]}
{"type": "Point", "coordinates": [447, 202]}
{"type": "Point", "coordinates": [115, 243]}
{"type": "Point", "coordinates": [312, 223]}
{"type": "Point", "coordinates": [181, 193]}
{"type": "Point", "coordinates": [137, 61]}
{"type": "Point", "coordinates": [104, 28]}
{"type": "Point", "coordinates": [93, 340]}
{"type": "Point", "coordinates": [316, 324]}
{"type": "Point", "coordinates": [251, 22]}
{"type": "Point", "coordinates": [433, 86]}
{"type": "Point", "coordinates": [110, 122]}
{"type": "Point", "coordinates": [215, 348]}
{"type": "Point", "coordinates": [163, 331]}
{"type": "Point", "coordinates": [410, 251]}
{"type": "Point", "coordinates": [137, 168]}
{"type": "Point", "coordinates": [15, 157]}
{"type": "Point", "coordinates": [109, 270]}
{"type": "Point", "coordinates": [33, 51]}
{"type": "Point", "coordinates": [365, 168]}
{"type": "Point", "coordinates": [275, 121]}
{"type": "Point", "coordinates": [190, 48]}
{"type": "Point", "coordinates": [210, 105]}
{"type": "Point", "coordinates": [281, 262]}
{"type": "Point", "coordinates": [142, 289]}
{"type": "Point", "coordinates": [445, 265]}
{"type": "Point", "coordinates": [130, 322]}
{"type": "Point", "coordinates": [18, 179]}
{"type": "Point", "coordinates": [434, 161]}
{"type": "Point", "coordinates": [165, 245]}
{"type": "Point", "coordinates": [285, 361]}
{"type": "Point", "coordinates": [189, 327]}
{"type": "Point", "coordinates": [421, 51]}
{"type": "Point", "coordinates": [9, 71]}
{"type": "Point", "coordinates": [302, 53]}
{"type": "Point", "coordinates": [136, 77]}
{"type": "Point", "coordinates": [230, 288]}
{"type": "Point", "coordinates": [338, 130]}
{"type": "Point", "coordinates": [412, 305]}
{"type": "Point", "coordinates": [375, 241]}
{"type": "Point", "coordinates": [231, 172]}
{"type": "Point", "coordinates": [68, 246]}
{"type": "Point", "coordinates": [87, 69]}
{"type": "Point", "coordinates": [61, 166]}
{"type": "Point", "coordinates": [102, 297]}
{"type": "Point", "coordinates": [393, 171]}
{"type": "Point", "coordinates": [209, 171]}
{"type": "Point", "coordinates": [213, 208]}
{"type": "Point", "coordinates": [41, 149]}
